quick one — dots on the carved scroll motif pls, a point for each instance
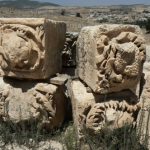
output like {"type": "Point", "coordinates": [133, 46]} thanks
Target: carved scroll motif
{"type": "Point", "coordinates": [21, 47]}
{"type": "Point", "coordinates": [119, 59]}
{"type": "Point", "coordinates": [112, 114]}
{"type": "Point", "coordinates": [45, 106]}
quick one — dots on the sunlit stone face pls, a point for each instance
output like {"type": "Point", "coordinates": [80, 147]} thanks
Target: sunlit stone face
{"type": "Point", "coordinates": [27, 47]}
{"type": "Point", "coordinates": [111, 57]}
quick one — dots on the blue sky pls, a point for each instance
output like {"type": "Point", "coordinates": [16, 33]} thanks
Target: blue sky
{"type": "Point", "coordinates": [97, 2]}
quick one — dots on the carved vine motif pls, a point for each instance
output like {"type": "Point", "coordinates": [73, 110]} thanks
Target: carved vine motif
{"type": "Point", "coordinates": [119, 58]}
{"type": "Point", "coordinates": [21, 47]}
{"type": "Point", "coordinates": [45, 104]}
{"type": "Point", "coordinates": [111, 114]}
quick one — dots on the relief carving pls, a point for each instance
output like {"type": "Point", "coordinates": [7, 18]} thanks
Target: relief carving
{"type": "Point", "coordinates": [30, 47]}
{"type": "Point", "coordinates": [21, 47]}
{"type": "Point", "coordinates": [112, 114]}
{"type": "Point", "coordinates": [45, 105]}
{"type": "Point", "coordinates": [111, 57]}
{"type": "Point", "coordinates": [119, 60]}
{"type": "Point", "coordinates": [42, 102]}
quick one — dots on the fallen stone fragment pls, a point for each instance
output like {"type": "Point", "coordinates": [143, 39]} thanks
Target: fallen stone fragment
{"type": "Point", "coordinates": [22, 101]}
{"type": "Point", "coordinates": [31, 47]}
{"type": "Point", "coordinates": [60, 79]}
{"type": "Point", "coordinates": [110, 57]}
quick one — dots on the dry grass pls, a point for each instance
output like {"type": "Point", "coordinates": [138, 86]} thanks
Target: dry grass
{"type": "Point", "coordinates": [74, 23]}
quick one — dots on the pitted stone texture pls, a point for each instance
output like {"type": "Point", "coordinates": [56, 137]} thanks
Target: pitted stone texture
{"type": "Point", "coordinates": [112, 115]}
{"type": "Point", "coordinates": [31, 47]}
{"type": "Point", "coordinates": [144, 115]}
{"type": "Point", "coordinates": [110, 57]}
{"type": "Point", "coordinates": [93, 112]}
{"type": "Point", "coordinates": [26, 101]}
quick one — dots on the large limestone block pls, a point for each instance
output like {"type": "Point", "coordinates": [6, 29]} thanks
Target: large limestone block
{"type": "Point", "coordinates": [92, 113]}
{"type": "Point", "coordinates": [22, 101]}
{"type": "Point", "coordinates": [110, 57]}
{"type": "Point", "coordinates": [31, 47]}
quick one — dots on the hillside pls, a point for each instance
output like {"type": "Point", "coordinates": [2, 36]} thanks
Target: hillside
{"type": "Point", "coordinates": [24, 4]}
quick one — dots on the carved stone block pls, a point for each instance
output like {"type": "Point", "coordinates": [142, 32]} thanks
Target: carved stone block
{"type": "Point", "coordinates": [31, 47]}
{"type": "Point", "coordinates": [110, 57]}
{"type": "Point", "coordinates": [92, 112]}
{"type": "Point", "coordinates": [22, 101]}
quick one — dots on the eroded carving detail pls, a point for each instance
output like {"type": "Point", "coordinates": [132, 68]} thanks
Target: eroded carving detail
{"type": "Point", "coordinates": [30, 47]}
{"type": "Point", "coordinates": [112, 114]}
{"type": "Point", "coordinates": [40, 102]}
{"type": "Point", "coordinates": [21, 47]}
{"type": "Point", "coordinates": [119, 60]}
{"type": "Point", "coordinates": [45, 105]}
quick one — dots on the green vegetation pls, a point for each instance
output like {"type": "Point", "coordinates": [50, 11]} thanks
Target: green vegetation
{"type": "Point", "coordinates": [120, 139]}
{"type": "Point", "coordinates": [125, 138]}
{"type": "Point", "coordinates": [30, 137]}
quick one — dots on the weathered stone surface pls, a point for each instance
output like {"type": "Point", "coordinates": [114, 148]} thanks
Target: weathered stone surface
{"type": "Point", "coordinates": [110, 57]}
{"type": "Point", "coordinates": [31, 47]}
{"type": "Point", "coordinates": [22, 101]}
{"type": "Point", "coordinates": [69, 50]}
{"type": "Point", "coordinates": [112, 114]}
{"type": "Point", "coordinates": [93, 113]}
{"type": "Point", "coordinates": [144, 115]}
